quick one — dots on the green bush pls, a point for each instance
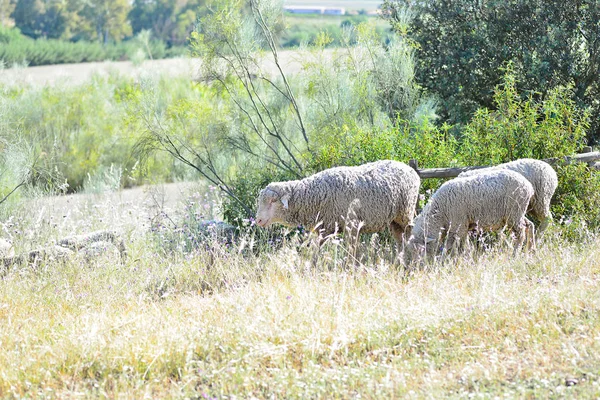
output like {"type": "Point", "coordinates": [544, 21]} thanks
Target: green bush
{"type": "Point", "coordinates": [81, 132]}
{"type": "Point", "coordinates": [576, 203]}
{"type": "Point", "coordinates": [19, 49]}
{"type": "Point", "coordinates": [520, 128]}
{"type": "Point", "coordinates": [8, 35]}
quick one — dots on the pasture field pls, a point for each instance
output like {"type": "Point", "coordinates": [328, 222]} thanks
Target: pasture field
{"type": "Point", "coordinates": [285, 321]}
{"type": "Point", "coordinates": [77, 74]}
{"type": "Point", "coordinates": [348, 4]}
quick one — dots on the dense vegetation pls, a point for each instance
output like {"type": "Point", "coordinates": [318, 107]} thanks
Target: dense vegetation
{"type": "Point", "coordinates": [55, 32]}
{"type": "Point", "coordinates": [77, 31]}
{"type": "Point", "coordinates": [463, 46]}
{"type": "Point", "coordinates": [240, 127]}
{"type": "Point", "coordinates": [19, 50]}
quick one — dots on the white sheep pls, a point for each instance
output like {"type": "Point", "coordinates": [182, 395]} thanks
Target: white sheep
{"type": "Point", "coordinates": [374, 195]}
{"type": "Point", "coordinates": [488, 201]}
{"type": "Point", "coordinates": [6, 248]}
{"type": "Point", "coordinates": [544, 180]}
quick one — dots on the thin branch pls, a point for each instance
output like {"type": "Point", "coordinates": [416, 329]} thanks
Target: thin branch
{"type": "Point", "coordinates": [12, 191]}
{"type": "Point", "coordinates": [259, 114]}
{"type": "Point", "coordinates": [269, 35]}
{"type": "Point", "coordinates": [256, 129]}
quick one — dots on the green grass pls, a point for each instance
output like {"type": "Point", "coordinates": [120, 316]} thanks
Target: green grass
{"type": "Point", "coordinates": [289, 323]}
{"type": "Point", "coordinates": [348, 4]}
{"type": "Point", "coordinates": [301, 29]}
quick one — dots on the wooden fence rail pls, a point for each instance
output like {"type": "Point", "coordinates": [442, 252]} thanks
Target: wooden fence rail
{"type": "Point", "coordinates": [590, 157]}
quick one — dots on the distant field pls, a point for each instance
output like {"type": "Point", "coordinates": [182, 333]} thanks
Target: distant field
{"type": "Point", "coordinates": [348, 4]}
{"type": "Point", "coordinates": [75, 74]}
{"type": "Point", "coordinates": [320, 20]}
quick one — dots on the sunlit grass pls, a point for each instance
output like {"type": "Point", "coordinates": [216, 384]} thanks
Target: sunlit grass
{"type": "Point", "coordinates": [223, 322]}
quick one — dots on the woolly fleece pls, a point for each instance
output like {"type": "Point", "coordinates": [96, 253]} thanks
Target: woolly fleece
{"type": "Point", "coordinates": [377, 194]}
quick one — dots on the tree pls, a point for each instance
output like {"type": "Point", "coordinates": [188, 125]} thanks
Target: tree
{"type": "Point", "coordinates": [264, 124]}
{"type": "Point", "coordinates": [44, 18]}
{"type": "Point", "coordinates": [463, 46]}
{"type": "Point", "coordinates": [169, 20]}
{"type": "Point", "coordinates": [6, 9]}
{"type": "Point", "coordinates": [108, 19]}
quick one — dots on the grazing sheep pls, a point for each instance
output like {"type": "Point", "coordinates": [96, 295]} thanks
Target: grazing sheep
{"type": "Point", "coordinates": [90, 245]}
{"type": "Point", "coordinates": [35, 256]}
{"type": "Point", "coordinates": [487, 201]}
{"type": "Point", "coordinates": [372, 197]}
{"type": "Point", "coordinates": [6, 248]}
{"type": "Point", "coordinates": [83, 242]}
{"type": "Point", "coordinates": [544, 180]}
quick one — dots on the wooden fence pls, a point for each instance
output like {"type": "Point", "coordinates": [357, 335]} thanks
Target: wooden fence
{"type": "Point", "coordinates": [588, 156]}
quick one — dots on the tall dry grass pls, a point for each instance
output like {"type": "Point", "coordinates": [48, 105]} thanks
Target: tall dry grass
{"type": "Point", "coordinates": [286, 322]}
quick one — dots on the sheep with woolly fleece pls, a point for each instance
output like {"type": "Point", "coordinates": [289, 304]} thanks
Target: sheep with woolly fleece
{"type": "Point", "coordinates": [6, 248]}
{"type": "Point", "coordinates": [489, 201]}
{"type": "Point", "coordinates": [544, 180]}
{"type": "Point", "coordinates": [371, 197]}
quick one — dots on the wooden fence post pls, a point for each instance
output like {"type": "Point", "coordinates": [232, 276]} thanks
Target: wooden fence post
{"type": "Point", "coordinates": [414, 164]}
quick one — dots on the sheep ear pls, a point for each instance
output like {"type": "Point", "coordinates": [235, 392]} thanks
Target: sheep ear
{"type": "Point", "coordinates": [285, 201]}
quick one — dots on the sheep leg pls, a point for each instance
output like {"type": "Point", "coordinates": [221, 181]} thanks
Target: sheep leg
{"type": "Point", "coordinates": [530, 235]}
{"type": "Point", "coordinates": [520, 232]}
{"type": "Point", "coordinates": [399, 231]}
{"type": "Point", "coordinates": [458, 235]}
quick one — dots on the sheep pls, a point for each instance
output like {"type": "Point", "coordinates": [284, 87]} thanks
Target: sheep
{"type": "Point", "coordinates": [487, 201]}
{"type": "Point", "coordinates": [106, 238]}
{"type": "Point", "coordinates": [90, 245]}
{"type": "Point", "coordinates": [369, 197]}
{"type": "Point", "coordinates": [544, 180]}
{"type": "Point", "coordinates": [6, 248]}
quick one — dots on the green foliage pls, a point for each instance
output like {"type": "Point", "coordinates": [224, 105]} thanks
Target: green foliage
{"type": "Point", "coordinates": [47, 19]}
{"type": "Point", "coordinates": [86, 134]}
{"type": "Point", "coordinates": [347, 145]}
{"type": "Point", "coordinates": [107, 19]}
{"type": "Point", "coordinates": [303, 30]}
{"type": "Point", "coordinates": [462, 46]}
{"type": "Point", "coordinates": [18, 49]}
{"type": "Point", "coordinates": [524, 128]}
{"type": "Point", "coordinates": [169, 20]}
{"type": "Point", "coordinates": [8, 35]}
{"type": "Point", "coordinates": [576, 203]}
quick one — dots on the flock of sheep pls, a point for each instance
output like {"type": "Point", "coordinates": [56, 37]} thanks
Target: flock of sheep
{"type": "Point", "coordinates": [371, 197]}
{"type": "Point", "coordinates": [384, 193]}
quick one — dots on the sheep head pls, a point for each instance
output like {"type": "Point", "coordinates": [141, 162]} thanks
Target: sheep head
{"type": "Point", "coordinates": [421, 244]}
{"type": "Point", "coordinates": [273, 205]}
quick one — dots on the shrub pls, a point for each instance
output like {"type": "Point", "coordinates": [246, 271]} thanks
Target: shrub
{"type": "Point", "coordinates": [19, 49]}
{"type": "Point", "coordinates": [85, 134]}
{"type": "Point", "coordinates": [576, 203]}
{"type": "Point", "coordinates": [527, 128]}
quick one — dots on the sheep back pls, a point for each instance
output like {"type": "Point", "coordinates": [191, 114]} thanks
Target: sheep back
{"type": "Point", "coordinates": [375, 193]}
{"type": "Point", "coordinates": [539, 173]}
{"type": "Point", "coordinates": [490, 200]}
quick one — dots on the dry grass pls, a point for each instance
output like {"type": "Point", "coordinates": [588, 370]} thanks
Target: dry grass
{"type": "Point", "coordinates": [76, 74]}
{"type": "Point", "coordinates": [227, 323]}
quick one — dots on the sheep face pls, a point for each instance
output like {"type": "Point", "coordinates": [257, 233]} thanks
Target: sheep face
{"type": "Point", "coordinates": [272, 207]}
{"type": "Point", "coordinates": [416, 251]}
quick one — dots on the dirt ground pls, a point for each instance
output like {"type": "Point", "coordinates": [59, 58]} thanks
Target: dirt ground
{"type": "Point", "coordinates": [128, 210]}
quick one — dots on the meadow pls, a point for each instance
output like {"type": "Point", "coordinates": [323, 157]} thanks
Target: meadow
{"type": "Point", "coordinates": [355, 5]}
{"type": "Point", "coordinates": [246, 320]}
{"type": "Point", "coordinates": [155, 150]}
